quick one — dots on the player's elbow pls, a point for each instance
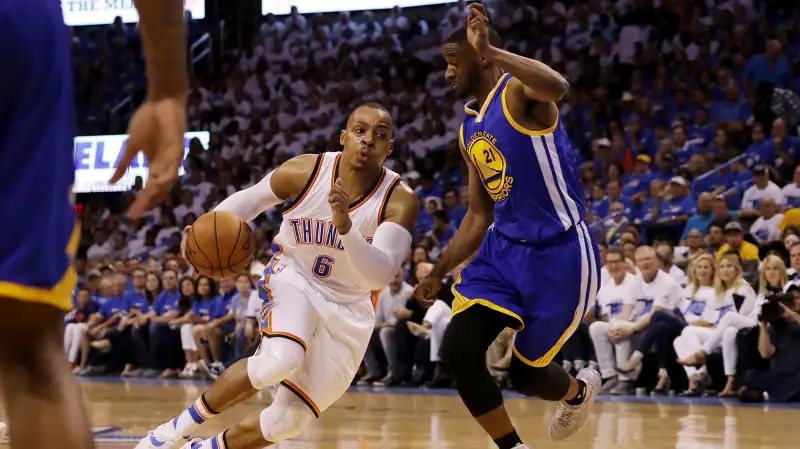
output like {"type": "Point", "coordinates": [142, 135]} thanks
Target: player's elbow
{"type": "Point", "coordinates": [559, 88]}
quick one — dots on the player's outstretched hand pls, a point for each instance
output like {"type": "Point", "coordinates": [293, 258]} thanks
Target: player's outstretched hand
{"type": "Point", "coordinates": [340, 205]}
{"type": "Point", "coordinates": [156, 129]}
{"type": "Point", "coordinates": [478, 28]}
{"type": "Point", "coordinates": [186, 232]}
{"type": "Point", "coordinates": [427, 290]}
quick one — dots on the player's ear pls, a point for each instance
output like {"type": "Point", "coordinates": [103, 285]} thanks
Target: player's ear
{"type": "Point", "coordinates": [483, 62]}
{"type": "Point", "coordinates": [341, 137]}
{"type": "Point", "coordinates": [391, 147]}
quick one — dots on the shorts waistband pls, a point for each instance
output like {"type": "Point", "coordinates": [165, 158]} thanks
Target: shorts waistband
{"type": "Point", "coordinates": [562, 237]}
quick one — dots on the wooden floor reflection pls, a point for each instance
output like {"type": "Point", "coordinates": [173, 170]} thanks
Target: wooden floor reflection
{"type": "Point", "coordinates": [123, 412]}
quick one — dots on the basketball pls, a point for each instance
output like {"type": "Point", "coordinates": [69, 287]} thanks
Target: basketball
{"type": "Point", "coordinates": [219, 244]}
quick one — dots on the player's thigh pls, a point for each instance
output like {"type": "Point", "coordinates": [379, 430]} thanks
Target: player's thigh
{"type": "Point", "coordinates": [482, 283]}
{"type": "Point", "coordinates": [36, 155]}
{"type": "Point", "coordinates": [31, 336]}
{"type": "Point", "coordinates": [334, 354]}
{"type": "Point", "coordinates": [558, 288]}
{"type": "Point", "coordinates": [287, 311]}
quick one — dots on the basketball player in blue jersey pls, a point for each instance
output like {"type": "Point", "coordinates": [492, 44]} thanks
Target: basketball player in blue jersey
{"type": "Point", "coordinates": [43, 402]}
{"type": "Point", "coordinates": [537, 267]}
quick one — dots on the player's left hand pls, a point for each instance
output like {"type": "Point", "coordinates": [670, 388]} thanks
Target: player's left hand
{"type": "Point", "coordinates": [156, 129]}
{"type": "Point", "coordinates": [340, 204]}
{"type": "Point", "coordinates": [478, 28]}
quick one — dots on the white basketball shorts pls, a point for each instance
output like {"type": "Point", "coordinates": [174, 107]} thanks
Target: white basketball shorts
{"type": "Point", "coordinates": [335, 335]}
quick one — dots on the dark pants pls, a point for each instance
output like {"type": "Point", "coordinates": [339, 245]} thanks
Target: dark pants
{"type": "Point", "coordinates": [579, 346]}
{"type": "Point", "coordinates": [411, 351]}
{"type": "Point", "coordinates": [664, 328]}
{"type": "Point", "coordinates": [165, 347]}
{"type": "Point", "coordinates": [375, 358]}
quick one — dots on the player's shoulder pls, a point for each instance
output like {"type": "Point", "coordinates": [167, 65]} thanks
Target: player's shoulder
{"type": "Point", "coordinates": [296, 175]}
{"type": "Point", "coordinates": [403, 205]}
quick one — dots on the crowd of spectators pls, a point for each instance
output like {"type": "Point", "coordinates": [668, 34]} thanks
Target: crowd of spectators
{"type": "Point", "coordinates": [685, 130]}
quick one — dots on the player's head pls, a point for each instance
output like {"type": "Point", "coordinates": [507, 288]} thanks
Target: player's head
{"type": "Point", "coordinates": [464, 66]}
{"type": "Point", "coordinates": [367, 137]}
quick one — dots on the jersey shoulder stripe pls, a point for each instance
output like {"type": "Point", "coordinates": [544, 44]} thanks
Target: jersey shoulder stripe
{"type": "Point", "coordinates": [291, 205]}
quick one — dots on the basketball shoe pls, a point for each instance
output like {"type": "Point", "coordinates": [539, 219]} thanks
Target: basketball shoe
{"type": "Point", "coordinates": [569, 419]}
{"type": "Point", "coordinates": [163, 437]}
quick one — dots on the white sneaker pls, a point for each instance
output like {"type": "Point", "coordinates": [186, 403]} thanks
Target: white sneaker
{"type": "Point", "coordinates": [163, 437]}
{"type": "Point", "coordinates": [569, 419]}
{"type": "Point", "coordinates": [192, 444]}
{"type": "Point", "coordinates": [521, 446]}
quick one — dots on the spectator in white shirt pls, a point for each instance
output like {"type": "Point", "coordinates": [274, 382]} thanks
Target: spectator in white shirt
{"type": "Point", "coordinates": [765, 229]}
{"type": "Point", "coordinates": [187, 206]}
{"type": "Point", "coordinates": [734, 309]}
{"type": "Point", "coordinates": [791, 192]}
{"type": "Point", "coordinates": [654, 290]}
{"type": "Point", "coordinates": [666, 252]}
{"type": "Point", "coordinates": [394, 297]}
{"type": "Point", "coordinates": [762, 188]}
{"type": "Point", "coordinates": [344, 23]}
{"type": "Point", "coordinates": [271, 27]}
{"type": "Point", "coordinates": [611, 300]}
{"type": "Point", "coordinates": [100, 248]}
{"type": "Point", "coordinates": [396, 22]}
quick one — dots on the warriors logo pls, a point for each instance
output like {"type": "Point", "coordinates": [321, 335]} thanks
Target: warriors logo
{"type": "Point", "coordinates": [491, 165]}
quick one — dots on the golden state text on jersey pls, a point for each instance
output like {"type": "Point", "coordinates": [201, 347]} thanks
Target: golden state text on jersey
{"type": "Point", "coordinates": [530, 175]}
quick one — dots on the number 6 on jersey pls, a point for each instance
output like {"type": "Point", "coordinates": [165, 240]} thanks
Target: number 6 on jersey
{"type": "Point", "coordinates": [322, 266]}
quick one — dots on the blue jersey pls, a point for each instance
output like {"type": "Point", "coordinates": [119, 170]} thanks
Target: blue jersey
{"type": "Point", "coordinates": [530, 175]}
{"type": "Point", "coordinates": [36, 165]}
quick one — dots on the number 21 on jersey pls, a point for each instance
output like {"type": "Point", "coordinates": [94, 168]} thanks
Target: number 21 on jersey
{"type": "Point", "coordinates": [323, 265]}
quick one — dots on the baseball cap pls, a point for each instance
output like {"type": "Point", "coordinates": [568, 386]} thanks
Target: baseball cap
{"type": "Point", "coordinates": [678, 180]}
{"type": "Point", "coordinates": [733, 226]}
{"type": "Point", "coordinates": [644, 158]}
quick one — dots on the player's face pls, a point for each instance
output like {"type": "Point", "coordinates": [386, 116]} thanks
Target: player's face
{"type": "Point", "coordinates": [463, 72]}
{"type": "Point", "coordinates": [367, 141]}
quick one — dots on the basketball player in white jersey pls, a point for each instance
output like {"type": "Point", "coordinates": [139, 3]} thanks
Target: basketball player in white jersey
{"type": "Point", "coordinates": [317, 317]}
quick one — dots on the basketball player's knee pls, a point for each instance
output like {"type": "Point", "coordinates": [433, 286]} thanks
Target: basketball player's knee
{"type": "Point", "coordinates": [549, 382]}
{"type": "Point", "coordinates": [280, 423]}
{"type": "Point", "coordinates": [458, 356]}
{"type": "Point", "coordinates": [274, 362]}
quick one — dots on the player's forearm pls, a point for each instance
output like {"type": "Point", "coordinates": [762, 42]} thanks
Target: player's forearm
{"type": "Point", "coordinates": [379, 262]}
{"type": "Point", "coordinates": [464, 243]}
{"type": "Point", "coordinates": [548, 84]}
{"type": "Point", "coordinates": [164, 42]}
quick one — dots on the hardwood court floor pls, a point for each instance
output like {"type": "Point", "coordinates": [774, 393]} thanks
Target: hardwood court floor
{"type": "Point", "coordinates": [394, 418]}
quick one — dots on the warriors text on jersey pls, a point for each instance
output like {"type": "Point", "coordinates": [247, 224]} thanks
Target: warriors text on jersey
{"type": "Point", "coordinates": [308, 241]}
{"type": "Point", "coordinates": [529, 174]}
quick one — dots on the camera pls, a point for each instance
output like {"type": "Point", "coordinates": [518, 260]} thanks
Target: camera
{"type": "Point", "coordinates": [771, 311]}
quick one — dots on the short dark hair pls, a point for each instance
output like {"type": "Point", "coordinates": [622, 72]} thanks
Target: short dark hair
{"type": "Point", "coordinates": [459, 36]}
{"type": "Point", "coordinates": [616, 250]}
{"type": "Point", "coordinates": [442, 216]}
{"type": "Point", "coordinates": [374, 105]}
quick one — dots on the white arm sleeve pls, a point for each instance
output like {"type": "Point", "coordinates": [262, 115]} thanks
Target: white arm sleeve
{"type": "Point", "coordinates": [251, 202]}
{"type": "Point", "coordinates": [378, 263]}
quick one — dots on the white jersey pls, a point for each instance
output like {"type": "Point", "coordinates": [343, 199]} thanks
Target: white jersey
{"type": "Point", "coordinates": [309, 243]}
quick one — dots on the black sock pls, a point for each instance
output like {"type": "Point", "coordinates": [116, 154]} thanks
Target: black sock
{"type": "Point", "coordinates": [508, 441]}
{"type": "Point", "coordinates": [579, 397]}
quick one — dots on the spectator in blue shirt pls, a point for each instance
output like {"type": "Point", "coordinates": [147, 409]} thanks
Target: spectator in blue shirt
{"type": "Point", "coordinates": [75, 324]}
{"type": "Point", "coordinates": [191, 324]}
{"type": "Point", "coordinates": [221, 325]}
{"type": "Point", "coordinates": [678, 207]}
{"type": "Point", "coordinates": [702, 219]}
{"type": "Point", "coordinates": [684, 148]}
{"type": "Point", "coordinates": [731, 111]}
{"type": "Point", "coordinates": [442, 232]}
{"type": "Point", "coordinates": [644, 211]}
{"type": "Point", "coordinates": [770, 67]}
{"type": "Point", "coordinates": [165, 357]}
{"type": "Point", "coordinates": [455, 211]}
{"type": "Point", "coordinates": [639, 180]}
{"type": "Point", "coordinates": [614, 195]}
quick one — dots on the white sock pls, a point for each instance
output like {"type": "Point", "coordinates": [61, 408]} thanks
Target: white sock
{"type": "Point", "coordinates": [191, 418]}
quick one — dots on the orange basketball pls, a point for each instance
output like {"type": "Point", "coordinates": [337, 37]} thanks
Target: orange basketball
{"type": "Point", "coordinates": [219, 244]}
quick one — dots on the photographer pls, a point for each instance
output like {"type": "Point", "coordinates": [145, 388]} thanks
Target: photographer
{"type": "Point", "coordinates": [778, 342]}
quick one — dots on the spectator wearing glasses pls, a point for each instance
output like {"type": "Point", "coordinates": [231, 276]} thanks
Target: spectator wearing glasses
{"type": "Point", "coordinates": [733, 309]}
{"type": "Point", "coordinates": [614, 302]}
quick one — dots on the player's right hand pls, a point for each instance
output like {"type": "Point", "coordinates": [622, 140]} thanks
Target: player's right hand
{"type": "Point", "coordinates": [156, 129]}
{"type": "Point", "coordinates": [427, 290]}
